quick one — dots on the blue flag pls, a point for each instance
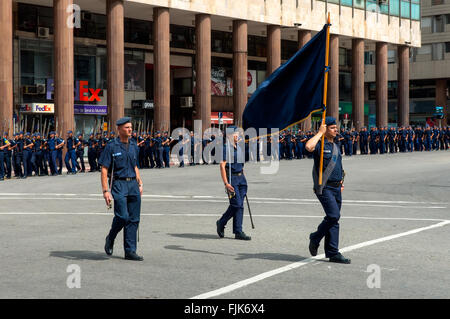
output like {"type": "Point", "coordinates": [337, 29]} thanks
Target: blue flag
{"type": "Point", "coordinates": [292, 92]}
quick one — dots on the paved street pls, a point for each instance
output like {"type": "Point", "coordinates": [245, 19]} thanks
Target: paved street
{"type": "Point", "coordinates": [395, 215]}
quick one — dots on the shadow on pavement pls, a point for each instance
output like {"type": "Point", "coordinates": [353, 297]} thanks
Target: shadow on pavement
{"type": "Point", "coordinates": [271, 256]}
{"type": "Point", "coordinates": [80, 255]}
{"type": "Point", "coordinates": [177, 247]}
{"type": "Point", "coordinates": [195, 236]}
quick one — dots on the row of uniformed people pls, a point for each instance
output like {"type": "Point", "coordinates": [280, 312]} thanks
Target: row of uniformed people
{"type": "Point", "coordinates": [28, 153]}
{"type": "Point", "coordinates": [377, 140]}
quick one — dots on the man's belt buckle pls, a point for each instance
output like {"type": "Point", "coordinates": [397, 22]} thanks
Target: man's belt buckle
{"type": "Point", "coordinates": [128, 179]}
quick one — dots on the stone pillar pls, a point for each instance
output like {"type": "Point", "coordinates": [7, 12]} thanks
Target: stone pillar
{"type": "Point", "coordinates": [303, 37]}
{"type": "Point", "coordinates": [403, 86]}
{"type": "Point", "coordinates": [203, 69]}
{"type": "Point", "coordinates": [115, 72]}
{"type": "Point", "coordinates": [358, 83]}
{"type": "Point", "coordinates": [239, 69]}
{"type": "Point", "coordinates": [6, 67]}
{"type": "Point", "coordinates": [381, 84]}
{"type": "Point", "coordinates": [273, 48]}
{"type": "Point", "coordinates": [441, 98]}
{"type": "Point", "coordinates": [161, 53]}
{"type": "Point", "coordinates": [333, 79]}
{"type": "Point", "coordinates": [63, 67]}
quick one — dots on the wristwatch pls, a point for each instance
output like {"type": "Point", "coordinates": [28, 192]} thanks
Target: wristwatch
{"type": "Point", "coordinates": [105, 191]}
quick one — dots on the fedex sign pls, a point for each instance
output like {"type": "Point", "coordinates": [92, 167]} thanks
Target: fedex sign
{"type": "Point", "coordinates": [43, 108]}
{"type": "Point", "coordinates": [84, 89]}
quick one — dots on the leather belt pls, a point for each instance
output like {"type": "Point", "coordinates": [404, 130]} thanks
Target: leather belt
{"type": "Point", "coordinates": [334, 184]}
{"type": "Point", "coordinates": [128, 179]}
{"type": "Point", "coordinates": [237, 174]}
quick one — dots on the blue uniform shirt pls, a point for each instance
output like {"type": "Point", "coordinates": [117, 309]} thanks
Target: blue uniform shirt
{"type": "Point", "coordinates": [336, 175]}
{"type": "Point", "coordinates": [51, 144]}
{"type": "Point", "coordinates": [237, 163]}
{"type": "Point", "coordinates": [124, 156]}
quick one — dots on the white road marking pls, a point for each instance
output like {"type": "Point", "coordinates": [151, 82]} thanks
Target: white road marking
{"type": "Point", "coordinates": [224, 197]}
{"type": "Point", "coordinates": [268, 274]}
{"type": "Point", "coordinates": [111, 213]}
{"type": "Point", "coordinates": [218, 200]}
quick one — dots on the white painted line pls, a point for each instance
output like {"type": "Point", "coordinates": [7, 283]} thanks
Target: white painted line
{"type": "Point", "coordinates": [216, 215]}
{"type": "Point", "coordinates": [268, 274]}
{"type": "Point", "coordinates": [180, 199]}
{"type": "Point", "coordinates": [224, 197]}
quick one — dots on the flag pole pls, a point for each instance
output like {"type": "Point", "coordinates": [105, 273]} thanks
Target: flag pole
{"type": "Point", "coordinates": [325, 86]}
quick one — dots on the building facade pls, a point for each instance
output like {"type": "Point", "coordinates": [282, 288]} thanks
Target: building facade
{"type": "Point", "coordinates": [75, 64]}
{"type": "Point", "coordinates": [429, 68]}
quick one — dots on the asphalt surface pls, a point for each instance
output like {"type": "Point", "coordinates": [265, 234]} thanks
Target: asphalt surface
{"type": "Point", "coordinates": [395, 215]}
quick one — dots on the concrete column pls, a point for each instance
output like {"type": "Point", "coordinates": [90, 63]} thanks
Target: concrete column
{"type": "Point", "coordinates": [441, 97]}
{"type": "Point", "coordinates": [358, 83]}
{"type": "Point", "coordinates": [381, 84]}
{"type": "Point", "coordinates": [239, 69]}
{"type": "Point", "coordinates": [115, 73]}
{"type": "Point", "coordinates": [203, 69]}
{"type": "Point", "coordinates": [161, 53]}
{"type": "Point", "coordinates": [333, 78]}
{"type": "Point", "coordinates": [6, 67]}
{"type": "Point", "coordinates": [403, 86]}
{"type": "Point", "coordinates": [273, 48]}
{"type": "Point", "coordinates": [63, 67]}
{"type": "Point", "coordinates": [303, 37]}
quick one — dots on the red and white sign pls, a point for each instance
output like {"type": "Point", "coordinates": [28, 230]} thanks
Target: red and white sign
{"type": "Point", "coordinates": [227, 118]}
{"type": "Point", "coordinates": [84, 89]}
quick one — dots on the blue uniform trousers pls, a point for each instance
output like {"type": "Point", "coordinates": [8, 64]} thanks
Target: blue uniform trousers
{"type": "Point", "coordinates": [127, 211]}
{"type": "Point", "coordinates": [2, 165]}
{"type": "Point", "coordinates": [19, 162]}
{"type": "Point", "coordinates": [60, 160]}
{"type": "Point", "coordinates": [71, 156]}
{"type": "Point", "coordinates": [53, 156]}
{"type": "Point", "coordinates": [7, 160]}
{"type": "Point", "coordinates": [331, 201]}
{"type": "Point", "coordinates": [166, 156]}
{"type": "Point", "coordinates": [28, 171]}
{"type": "Point", "coordinates": [236, 208]}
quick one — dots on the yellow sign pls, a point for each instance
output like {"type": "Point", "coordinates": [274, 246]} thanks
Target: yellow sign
{"type": "Point", "coordinates": [105, 127]}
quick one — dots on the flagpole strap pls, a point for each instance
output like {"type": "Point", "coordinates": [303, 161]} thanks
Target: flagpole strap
{"type": "Point", "coordinates": [327, 68]}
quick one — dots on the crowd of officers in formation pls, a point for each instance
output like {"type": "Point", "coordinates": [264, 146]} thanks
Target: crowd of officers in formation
{"type": "Point", "coordinates": [25, 154]}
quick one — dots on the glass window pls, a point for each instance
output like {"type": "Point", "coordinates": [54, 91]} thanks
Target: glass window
{"type": "Point", "coordinates": [257, 46]}
{"type": "Point", "coordinates": [182, 37]}
{"type": "Point", "coordinates": [384, 7]}
{"type": "Point", "coordinates": [288, 49]}
{"type": "Point", "coordinates": [447, 47]}
{"type": "Point", "coordinates": [391, 56]}
{"type": "Point", "coordinates": [438, 24]}
{"type": "Point", "coordinates": [27, 16]}
{"type": "Point", "coordinates": [394, 7]}
{"type": "Point", "coordinates": [359, 4]}
{"type": "Point", "coordinates": [426, 22]}
{"type": "Point", "coordinates": [437, 51]}
{"type": "Point", "coordinates": [137, 31]}
{"type": "Point", "coordinates": [372, 5]}
{"type": "Point", "coordinates": [85, 69]}
{"type": "Point", "coordinates": [415, 11]}
{"type": "Point", "coordinates": [436, 2]}
{"type": "Point", "coordinates": [347, 3]}
{"type": "Point", "coordinates": [424, 49]}
{"type": "Point", "coordinates": [447, 18]}
{"type": "Point", "coordinates": [369, 57]}
{"type": "Point", "coordinates": [222, 42]}
{"type": "Point", "coordinates": [405, 9]}
{"type": "Point", "coordinates": [36, 61]}
{"type": "Point", "coordinates": [134, 70]}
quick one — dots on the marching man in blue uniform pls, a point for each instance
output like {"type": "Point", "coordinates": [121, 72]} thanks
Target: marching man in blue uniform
{"type": "Point", "coordinates": [232, 173]}
{"type": "Point", "coordinates": [119, 160]}
{"type": "Point", "coordinates": [329, 193]}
